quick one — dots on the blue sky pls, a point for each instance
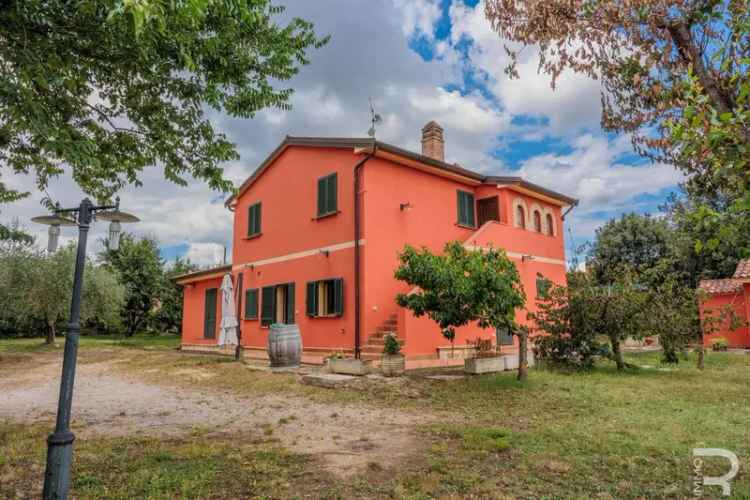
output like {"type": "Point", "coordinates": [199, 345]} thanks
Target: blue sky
{"type": "Point", "coordinates": [418, 60]}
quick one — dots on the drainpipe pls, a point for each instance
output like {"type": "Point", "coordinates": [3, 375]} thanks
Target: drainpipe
{"type": "Point", "coordinates": [357, 265]}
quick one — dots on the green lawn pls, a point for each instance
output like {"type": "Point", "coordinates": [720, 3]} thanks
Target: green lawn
{"type": "Point", "coordinates": [151, 342]}
{"type": "Point", "coordinates": [600, 434]}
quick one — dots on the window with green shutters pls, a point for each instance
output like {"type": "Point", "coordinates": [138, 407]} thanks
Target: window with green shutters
{"type": "Point", "coordinates": [465, 205]}
{"type": "Point", "coordinates": [325, 298]}
{"type": "Point", "coordinates": [253, 220]}
{"type": "Point", "coordinates": [277, 304]}
{"type": "Point", "coordinates": [327, 193]}
{"type": "Point", "coordinates": [503, 336]}
{"type": "Point", "coordinates": [251, 303]}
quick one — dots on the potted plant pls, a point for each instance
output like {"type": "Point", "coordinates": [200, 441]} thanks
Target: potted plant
{"type": "Point", "coordinates": [720, 344]}
{"type": "Point", "coordinates": [393, 362]}
{"type": "Point", "coordinates": [338, 363]}
{"type": "Point", "coordinates": [484, 359]}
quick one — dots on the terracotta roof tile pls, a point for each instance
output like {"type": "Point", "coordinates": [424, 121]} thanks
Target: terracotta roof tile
{"type": "Point", "coordinates": [721, 286]}
{"type": "Point", "coordinates": [743, 269]}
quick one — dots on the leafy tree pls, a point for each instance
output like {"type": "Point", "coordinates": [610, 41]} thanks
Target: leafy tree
{"type": "Point", "coordinates": [140, 269]}
{"type": "Point", "coordinates": [587, 310]}
{"type": "Point", "coordinates": [567, 324]}
{"type": "Point", "coordinates": [106, 88]}
{"type": "Point", "coordinates": [36, 289]}
{"type": "Point", "coordinates": [169, 314]}
{"type": "Point", "coordinates": [674, 72]}
{"type": "Point", "coordinates": [14, 233]}
{"type": "Point", "coordinates": [634, 243]}
{"type": "Point", "coordinates": [460, 286]}
{"type": "Point", "coordinates": [18, 263]}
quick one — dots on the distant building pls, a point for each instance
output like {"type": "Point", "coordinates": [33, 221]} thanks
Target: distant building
{"type": "Point", "coordinates": [728, 298]}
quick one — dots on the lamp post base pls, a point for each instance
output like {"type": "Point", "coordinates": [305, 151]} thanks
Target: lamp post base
{"type": "Point", "coordinates": [59, 458]}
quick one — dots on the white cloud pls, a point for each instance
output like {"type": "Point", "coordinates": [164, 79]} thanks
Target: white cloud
{"type": "Point", "coordinates": [369, 57]}
{"type": "Point", "coordinates": [207, 254]}
{"type": "Point", "coordinates": [418, 16]}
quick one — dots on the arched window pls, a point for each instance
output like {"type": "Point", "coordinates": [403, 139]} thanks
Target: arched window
{"type": "Point", "coordinates": [537, 221]}
{"type": "Point", "coordinates": [521, 216]}
{"type": "Point", "coordinates": [550, 225]}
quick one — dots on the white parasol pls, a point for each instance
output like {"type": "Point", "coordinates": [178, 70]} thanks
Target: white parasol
{"type": "Point", "coordinates": [228, 328]}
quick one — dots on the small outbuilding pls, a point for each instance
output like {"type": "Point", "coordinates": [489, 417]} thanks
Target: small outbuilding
{"type": "Point", "coordinates": [725, 308]}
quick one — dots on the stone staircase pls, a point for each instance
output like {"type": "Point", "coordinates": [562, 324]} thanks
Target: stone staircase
{"type": "Point", "coordinates": [373, 348]}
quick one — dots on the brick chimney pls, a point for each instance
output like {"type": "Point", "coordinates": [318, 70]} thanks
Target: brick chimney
{"type": "Point", "coordinates": [433, 144]}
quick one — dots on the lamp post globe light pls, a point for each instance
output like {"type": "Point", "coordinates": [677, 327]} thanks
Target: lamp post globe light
{"type": "Point", "coordinates": [60, 442]}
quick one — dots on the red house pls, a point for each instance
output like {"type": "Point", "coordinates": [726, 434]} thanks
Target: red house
{"type": "Point", "coordinates": [317, 230]}
{"type": "Point", "coordinates": [722, 297]}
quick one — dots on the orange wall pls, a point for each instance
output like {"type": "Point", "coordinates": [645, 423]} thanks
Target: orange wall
{"type": "Point", "coordinates": [329, 333]}
{"type": "Point", "coordinates": [194, 303]}
{"type": "Point", "coordinates": [431, 222]}
{"type": "Point", "coordinates": [288, 193]}
{"type": "Point", "coordinates": [713, 306]}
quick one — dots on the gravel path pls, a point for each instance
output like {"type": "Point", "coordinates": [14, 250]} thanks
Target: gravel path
{"type": "Point", "coordinates": [345, 439]}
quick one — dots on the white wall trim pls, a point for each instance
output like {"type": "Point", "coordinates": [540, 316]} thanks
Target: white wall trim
{"type": "Point", "coordinates": [297, 255]}
{"type": "Point", "coordinates": [519, 256]}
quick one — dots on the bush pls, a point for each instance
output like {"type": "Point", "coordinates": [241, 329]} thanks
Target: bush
{"type": "Point", "coordinates": [392, 346]}
{"type": "Point", "coordinates": [719, 344]}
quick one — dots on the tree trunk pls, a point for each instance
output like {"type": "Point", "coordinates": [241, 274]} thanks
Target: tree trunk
{"type": "Point", "coordinates": [701, 356]}
{"type": "Point", "coordinates": [617, 353]}
{"type": "Point", "coordinates": [523, 363]}
{"type": "Point", "coordinates": [50, 333]}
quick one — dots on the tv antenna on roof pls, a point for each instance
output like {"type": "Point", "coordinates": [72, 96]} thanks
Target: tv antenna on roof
{"type": "Point", "coordinates": [374, 120]}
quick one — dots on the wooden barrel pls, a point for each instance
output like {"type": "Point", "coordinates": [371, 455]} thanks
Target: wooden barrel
{"type": "Point", "coordinates": [284, 346]}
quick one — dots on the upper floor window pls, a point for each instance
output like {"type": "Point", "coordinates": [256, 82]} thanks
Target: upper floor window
{"type": "Point", "coordinates": [550, 225]}
{"type": "Point", "coordinates": [465, 208]}
{"type": "Point", "coordinates": [520, 217]}
{"type": "Point", "coordinates": [537, 221]}
{"type": "Point", "coordinates": [253, 220]}
{"type": "Point", "coordinates": [327, 203]}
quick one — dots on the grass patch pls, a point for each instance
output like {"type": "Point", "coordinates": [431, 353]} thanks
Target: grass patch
{"type": "Point", "coordinates": [37, 345]}
{"type": "Point", "coordinates": [601, 433]}
{"type": "Point", "coordinates": [197, 466]}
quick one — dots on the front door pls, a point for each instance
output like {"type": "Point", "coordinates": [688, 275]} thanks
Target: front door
{"type": "Point", "coordinates": [488, 209]}
{"type": "Point", "coordinates": [209, 314]}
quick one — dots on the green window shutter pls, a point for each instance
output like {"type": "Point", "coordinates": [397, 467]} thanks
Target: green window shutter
{"type": "Point", "coordinates": [459, 207]}
{"type": "Point", "coordinates": [253, 220]}
{"type": "Point", "coordinates": [290, 304]}
{"type": "Point", "coordinates": [322, 185]}
{"type": "Point", "coordinates": [268, 305]}
{"type": "Point", "coordinates": [312, 298]}
{"type": "Point", "coordinates": [338, 296]}
{"type": "Point", "coordinates": [257, 218]}
{"type": "Point", "coordinates": [465, 208]}
{"type": "Point", "coordinates": [209, 314]}
{"type": "Point", "coordinates": [332, 193]}
{"type": "Point", "coordinates": [542, 286]}
{"type": "Point", "coordinates": [470, 209]}
{"type": "Point", "coordinates": [251, 303]}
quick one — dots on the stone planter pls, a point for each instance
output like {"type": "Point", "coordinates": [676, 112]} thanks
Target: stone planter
{"type": "Point", "coordinates": [348, 366]}
{"type": "Point", "coordinates": [393, 364]}
{"type": "Point", "coordinates": [476, 366]}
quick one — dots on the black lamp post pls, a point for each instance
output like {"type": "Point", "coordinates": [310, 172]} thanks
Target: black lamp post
{"type": "Point", "coordinates": [60, 442]}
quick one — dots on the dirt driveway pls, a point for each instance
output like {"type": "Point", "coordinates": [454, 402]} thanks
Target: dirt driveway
{"type": "Point", "coordinates": [345, 439]}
